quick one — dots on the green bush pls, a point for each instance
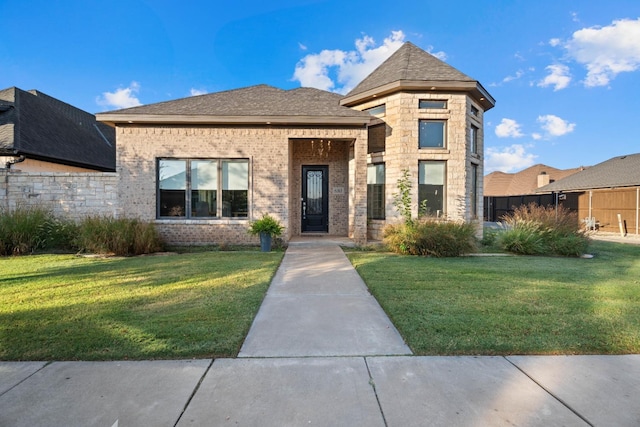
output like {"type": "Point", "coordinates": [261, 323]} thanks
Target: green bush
{"type": "Point", "coordinates": [538, 230]}
{"type": "Point", "coordinates": [429, 237]}
{"type": "Point", "coordinates": [26, 229]}
{"type": "Point", "coordinates": [121, 236]}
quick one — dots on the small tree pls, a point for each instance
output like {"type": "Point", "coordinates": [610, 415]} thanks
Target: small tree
{"type": "Point", "coordinates": [402, 199]}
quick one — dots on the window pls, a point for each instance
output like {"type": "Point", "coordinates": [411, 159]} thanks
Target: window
{"type": "Point", "coordinates": [432, 133]}
{"type": "Point", "coordinates": [375, 191]}
{"type": "Point", "coordinates": [474, 191]}
{"type": "Point", "coordinates": [474, 139]}
{"type": "Point", "coordinates": [378, 111]}
{"type": "Point", "coordinates": [432, 104]}
{"type": "Point", "coordinates": [189, 188]}
{"type": "Point", "coordinates": [474, 111]}
{"type": "Point", "coordinates": [431, 179]}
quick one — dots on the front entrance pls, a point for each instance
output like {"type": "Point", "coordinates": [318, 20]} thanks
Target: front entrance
{"type": "Point", "coordinates": [315, 199]}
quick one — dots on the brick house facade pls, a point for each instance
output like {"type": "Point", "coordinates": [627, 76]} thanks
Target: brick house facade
{"type": "Point", "coordinates": [203, 167]}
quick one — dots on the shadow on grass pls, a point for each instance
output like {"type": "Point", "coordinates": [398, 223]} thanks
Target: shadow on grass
{"type": "Point", "coordinates": [180, 306]}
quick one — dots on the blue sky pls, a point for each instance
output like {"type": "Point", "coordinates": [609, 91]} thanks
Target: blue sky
{"type": "Point", "coordinates": [565, 73]}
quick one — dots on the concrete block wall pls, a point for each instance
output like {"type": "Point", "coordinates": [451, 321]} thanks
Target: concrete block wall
{"type": "Point", "coordinates": [73, 195]}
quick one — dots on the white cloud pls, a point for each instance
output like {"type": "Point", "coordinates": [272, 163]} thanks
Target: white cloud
{"type": "Point", "coordinates": [120, 98]}
{"type": "Point", "coordinates": [508, 128]}
{"type": "Point", "coordinates": [554, 42]}
{"type": "Point", "coordinates": [516, 76]}
{"type": "Point", "coordinates": [536, 136]}
{"type": "Point", "coordinates": [302, 46]}
{"type": "Point", "coordinates": [559, 77]}
{"type": "Point", "coordinates": [196, 92]}
{"type": "Point", "coordinates": [607, 51]}
{"type": "Point", "coordinates": [555, 126]}
{"type": "Point", "coordinates": [348, 67]}
{"type": "Point", "coordinates": [508, 159]}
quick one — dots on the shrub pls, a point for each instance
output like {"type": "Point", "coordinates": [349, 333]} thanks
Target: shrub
{"type": "Point", "coordinates": [24, 230]}
{"type": "Point", "coordinates": [429, 237]}
{"type": "Point", "coordinates": [535, 230]}
{"type": "Point", "coordinates": [121, 236]}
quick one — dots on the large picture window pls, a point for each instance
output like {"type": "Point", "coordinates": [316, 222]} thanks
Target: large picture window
{"type": "Point", "coordinates": [432, 133]}
{"type": "Point", "coordinates": [431, 186]}
{"type": "Point", "coordinates": [375, 191]}
{"type": "Point", "coordinates": [189, 188]}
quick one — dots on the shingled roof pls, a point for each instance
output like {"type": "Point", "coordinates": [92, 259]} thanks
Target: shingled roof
{"type": "Point", "coordinates": [621, 171]}
{"type": "Point", "coordinates": [498, 184]}
{"type": "Point", "coordinates": [411, 68]}
{"type": "Point", "coordinates": [260, 104]}
{"type": "Point", "coordinates": [41, 127]}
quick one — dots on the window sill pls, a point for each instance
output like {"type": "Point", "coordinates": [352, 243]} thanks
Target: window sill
{"type": "Point", "coordinates": [211, 221]}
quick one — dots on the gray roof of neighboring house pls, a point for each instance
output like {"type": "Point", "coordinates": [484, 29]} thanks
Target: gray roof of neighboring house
{"type": "Point", "coordinates": [252, 105]}
{"type": "Point", "coordinates": [620, 171]}
{"type": "Point", "coordinates": [41, 127]}
{"type": "Point", "coordinates": [412, 68]}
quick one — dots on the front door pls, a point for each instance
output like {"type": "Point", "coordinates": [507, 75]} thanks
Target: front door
{"type": "Point", "coordinates": [315, 200]}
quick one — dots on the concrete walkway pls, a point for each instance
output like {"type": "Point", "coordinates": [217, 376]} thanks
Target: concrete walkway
{"type": "Point", "coordinates": [298, 369]}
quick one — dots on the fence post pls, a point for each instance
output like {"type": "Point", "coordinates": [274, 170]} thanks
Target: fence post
{"type": "Point", "coordinates": [620, 225]}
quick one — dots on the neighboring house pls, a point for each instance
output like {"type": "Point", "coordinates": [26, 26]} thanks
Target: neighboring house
{"type": "Point", "coordinates": [39, 133]}
{"type": "Point", "coordinates": [503, 192]}
{"type": "Point", "coordinates": [603, 191]}
{"type": "Point", "coordinates": [203, 167]}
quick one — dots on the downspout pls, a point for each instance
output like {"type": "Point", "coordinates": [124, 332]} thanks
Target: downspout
{"type": "Point", "coordinates": [637, 207]}
{"type": "Point", "coordinates": [590, 195]}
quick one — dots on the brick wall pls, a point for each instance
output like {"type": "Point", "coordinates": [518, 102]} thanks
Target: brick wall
{"type": "Point", "coordinates": [72, 195]}
{"type": "Point", "coordinates": [274, 174]}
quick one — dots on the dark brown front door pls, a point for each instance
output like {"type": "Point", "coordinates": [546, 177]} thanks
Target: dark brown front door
{"type": "Point", "coordinates": [315, 200]}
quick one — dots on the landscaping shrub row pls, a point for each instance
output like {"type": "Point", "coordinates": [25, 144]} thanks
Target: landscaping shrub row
{"type": "Point", "coordinates": [25, 230]}
{"type": "Point", "coordinates": [431, 237]}
{"type": "Point", "coordinates": [540, 230]}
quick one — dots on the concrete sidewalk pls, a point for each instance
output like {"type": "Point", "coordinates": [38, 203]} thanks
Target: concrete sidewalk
{"type": "Point", "coordinates": [341, 374]}
{"type": "Point", "coordinates": [317, 305]}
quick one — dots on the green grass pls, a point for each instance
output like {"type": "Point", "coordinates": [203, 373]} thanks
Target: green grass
{"type": "Point", "coordinates": [63, 307]}
{"type": "Point", "coordinates": [511, 305]}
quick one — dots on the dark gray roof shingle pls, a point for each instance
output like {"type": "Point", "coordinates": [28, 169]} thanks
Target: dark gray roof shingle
{"type": "Point", "coordinates": [254, 101]}
{"type": "Point", "coordinates": [409, 63]}
{"type": "Point", "coordinates": [620, 171]}
{"type": "Point", "coordinates": [45, 128]}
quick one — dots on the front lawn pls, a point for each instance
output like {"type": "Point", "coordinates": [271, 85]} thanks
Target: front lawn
{"type": "Point", "coordinates": [511, 305]}
{"type": "Point", "coordinates": [63, 307]}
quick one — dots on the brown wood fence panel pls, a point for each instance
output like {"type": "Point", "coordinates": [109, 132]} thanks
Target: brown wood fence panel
{"type": "Point", "coordinates": [607, 204]}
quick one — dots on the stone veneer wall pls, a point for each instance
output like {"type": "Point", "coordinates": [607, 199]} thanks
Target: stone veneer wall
{"type": "Point", "coordinates": [73, 195]}
{"type": "Point", "coordinates": [270, 175]}
{"type": "Point", "coordinates": [402, 151]}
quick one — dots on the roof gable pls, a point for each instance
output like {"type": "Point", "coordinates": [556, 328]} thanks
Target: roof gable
{"type": "Point", "coordinates": [620, 171]}
{"type": "Point", "coordinates": [254, 104]}
{"type": "Point", "coordinates": [412, 68]}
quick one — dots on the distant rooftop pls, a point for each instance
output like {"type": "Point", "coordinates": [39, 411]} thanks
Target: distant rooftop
{"type": "Point", "coordinates": [620, 171]}
{"type": "Point", "coordinates": [497, 184]}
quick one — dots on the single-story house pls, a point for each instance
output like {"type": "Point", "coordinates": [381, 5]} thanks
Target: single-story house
{"type": "Point", "coordinates": [203, 167]}
{"type": "Point", "coordinates": [603, 191]}
{"type": "Point", "coordinates": [39, 133]}
{"type": "Point", "coordinates": [503, 192]}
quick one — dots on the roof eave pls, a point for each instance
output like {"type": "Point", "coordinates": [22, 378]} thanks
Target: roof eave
{"type": "Point", "coordinates": [113, 119]}
{"type": "Point", "coordinates": [474, 88]}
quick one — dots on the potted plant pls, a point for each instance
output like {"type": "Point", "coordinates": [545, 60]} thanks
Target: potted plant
{"type": "Point", "coordinates": [266, 227]}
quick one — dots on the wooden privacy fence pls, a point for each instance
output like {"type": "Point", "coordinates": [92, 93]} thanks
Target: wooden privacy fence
{"type": "Point", "coordinates": [605, 205]}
